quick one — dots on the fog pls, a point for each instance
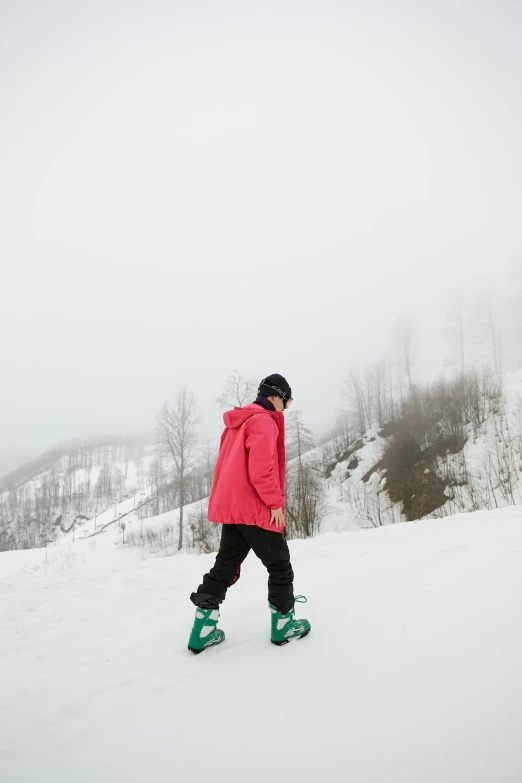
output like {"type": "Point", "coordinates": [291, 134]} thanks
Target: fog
{"type": "Point", "coordinates": [189, 188]}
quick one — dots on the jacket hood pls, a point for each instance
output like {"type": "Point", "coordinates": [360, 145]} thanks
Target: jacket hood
{"type": "Point", "coordinates": [238, 416]}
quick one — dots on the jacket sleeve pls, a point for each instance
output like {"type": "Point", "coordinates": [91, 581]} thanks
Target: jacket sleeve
{"type": "Point", "coordinates": [260, 442]}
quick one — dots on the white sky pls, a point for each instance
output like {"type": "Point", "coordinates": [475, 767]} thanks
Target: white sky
{"type": "Point", "coordinates": [186, 188]}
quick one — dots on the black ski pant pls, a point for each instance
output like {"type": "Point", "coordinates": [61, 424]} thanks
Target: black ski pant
{"type": "Point", "coordinates": [271, 548]}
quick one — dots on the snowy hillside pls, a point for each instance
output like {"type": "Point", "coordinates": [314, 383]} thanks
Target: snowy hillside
{"type": "Point", "coordinates": [411, 673]}
{"type": "Point", "coordinates": [90, 493]}
{"type": "Point", "coordinates": [91, 490]}
{"type": "Point", "coordinates": [45, 500]}
{"type": "Point", "coordinates": [485, 473]}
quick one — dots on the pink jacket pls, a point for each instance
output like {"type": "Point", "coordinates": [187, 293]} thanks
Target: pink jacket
{"type": "Point", "coordinates": [250, 472]}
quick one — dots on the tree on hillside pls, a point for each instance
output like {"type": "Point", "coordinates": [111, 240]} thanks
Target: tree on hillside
{"type": "Point", "coordinates": [237, 391]}
{"type": "Point", "coordinates": [455, 334]}
{"type": "Point", "coordinates": [299, 438]}
{"type": "Point", "coordinates": [369, 393]}
{"type": "Point", "coordinates": [485, 333]}
{"type": "Point", "coordinates": [511, 326]}
{"type": "Point", "coordinates": [304, 506]}
{"type": "Point", "coordinates": [404, 336]}
{"type": "Point", "coordinates": [210, 456]}
{"type": "Point", "coordinates": [177, 437]}
{"type": "Point", "coordinates": [359, 395]}
{"type": "Point", "coordinates": [157, 481]}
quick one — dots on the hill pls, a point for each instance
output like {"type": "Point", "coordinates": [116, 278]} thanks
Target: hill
{"type": "Point", "coordinates": [455, 446]}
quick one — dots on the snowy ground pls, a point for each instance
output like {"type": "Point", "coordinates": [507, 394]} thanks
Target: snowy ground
{"type": "Point", "coordinates": [412, 672]}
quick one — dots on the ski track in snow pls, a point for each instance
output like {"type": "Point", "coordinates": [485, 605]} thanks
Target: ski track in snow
{"type": "Point", "coordinates": [411, 673]}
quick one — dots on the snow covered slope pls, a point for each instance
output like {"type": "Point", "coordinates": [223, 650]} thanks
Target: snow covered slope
{"type": "Point", "coordinates": [90, 491]}
{"type": "Point", "coordinates": [487, 473]}
{"type": "Point", "coordinates": [53, 496]}
{"type": "Point", "coordinates": [411, 673]}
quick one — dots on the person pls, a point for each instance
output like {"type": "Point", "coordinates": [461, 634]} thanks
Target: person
{"type": "Point", "coordinates": [247, 498]}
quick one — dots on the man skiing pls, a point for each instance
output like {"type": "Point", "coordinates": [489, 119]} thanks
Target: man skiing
{"type": "Point", "coordinates": [247, 498]}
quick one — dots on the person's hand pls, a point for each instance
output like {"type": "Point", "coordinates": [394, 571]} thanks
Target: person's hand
{"type": "Point", "coordinates": [277, 517]}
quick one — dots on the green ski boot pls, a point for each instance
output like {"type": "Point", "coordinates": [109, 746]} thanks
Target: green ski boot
{"type": "Point", "coordinates": [204, 632]}
{"type": "Point", "coordinates": [285, 627]}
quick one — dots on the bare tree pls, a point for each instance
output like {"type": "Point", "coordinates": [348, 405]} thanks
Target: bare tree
{"type": "Point", "coordinates": [484, 328]}
{"type": "Point", "coordinates": [305, 498]}
{"type": "Point", "coordinates": [237, 391]}
{"type": "Point", "coordinates": [360, 397]}
{"type": "Point", "coordinates": [210, 458]}
{"type": "Point", "coordinates": [405, 340]}
{"type": "Point", "coordinates": [511, 325]}
{"type": "Point", "coordinates": [157, 481]}
{"type": "Point", "coordinates": [455, 334]}
{"type": "Point", "coordinates": [176, 435]}
{"type": "Point", "coordinates": [304, 506]}
{"type": "Point", "coordinates": [299, 439]}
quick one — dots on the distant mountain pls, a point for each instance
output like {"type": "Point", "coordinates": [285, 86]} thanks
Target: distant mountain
{"type": "Point", "coordinates": [69, 483]}
{"type": "Point", "coordinates": [98, 481]}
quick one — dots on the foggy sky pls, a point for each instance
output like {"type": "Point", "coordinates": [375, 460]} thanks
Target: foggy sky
{"type": "Point", "coordinates": [187, 188]}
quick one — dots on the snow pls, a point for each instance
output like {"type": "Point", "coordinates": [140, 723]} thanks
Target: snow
{"type": "Point", "coordinates": [124, 511]}
{"type": "Point", "coordinates": [494, 455]}
{"type": "Point", "coordinates": [411, 673]}
{"type": "Point", "coordinates": [135, 490]}
{"type": "Point", "coordinates": [488, 472]}
{"type": "Point", "coordinates": [352, 503]}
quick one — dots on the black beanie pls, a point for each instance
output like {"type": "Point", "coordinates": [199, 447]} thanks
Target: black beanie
{"type": "Point", "coordinates": [275, 386]}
